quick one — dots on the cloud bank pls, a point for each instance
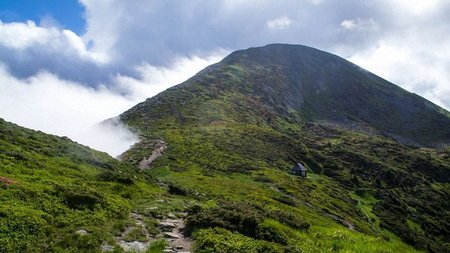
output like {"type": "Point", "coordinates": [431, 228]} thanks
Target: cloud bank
{"type": "Point", "coordinates": [66, 108]}
{"type": "Point", "coordinates": [64, 83]}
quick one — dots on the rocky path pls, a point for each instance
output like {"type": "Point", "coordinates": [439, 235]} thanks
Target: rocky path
{"type": "Point", "coordinates": [171, 229]}
{"type": "Point", "coordinates": [157, 152]}
{"type": "Point", "coordinates": [135, 246]}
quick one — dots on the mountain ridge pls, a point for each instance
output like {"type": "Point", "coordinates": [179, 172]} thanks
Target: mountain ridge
{"type": "Point", "coordinates": [322, 87]}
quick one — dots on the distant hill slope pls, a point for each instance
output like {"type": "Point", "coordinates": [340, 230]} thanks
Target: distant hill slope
{"type": "Point", "coordinates": [316, 86]}
{"type": "Point", "coordinates": [231, 134]}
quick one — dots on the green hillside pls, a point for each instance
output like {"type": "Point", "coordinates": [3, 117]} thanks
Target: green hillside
{"type": "Point", "coordinates": [234, 131]}
{"type": "Point", "coordinates": [51, 187]}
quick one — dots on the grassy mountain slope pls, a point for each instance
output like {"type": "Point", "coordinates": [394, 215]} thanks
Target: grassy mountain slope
{"type": "Point", "coordinates": [51, 187]}
{"type": "Point", "coordinates": [235, 129]}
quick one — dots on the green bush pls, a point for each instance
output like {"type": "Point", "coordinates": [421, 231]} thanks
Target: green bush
{"type": "Point", "coordinates": [178, 190]}
{"type": "Point", "coordinates": [290, 219]}
{"type": "Point", "coordinates": [239, 217]}
{"type": "Point", "coordinates": [19, 229]}
{"type": "Point", "coordinates": [79, 198]}
{"type": "Point", "coordinates": [219, 240]}
{"type": "Point", "coordinates": [114, 176]}
{"type": "Point", "coordinates": [270, 233]}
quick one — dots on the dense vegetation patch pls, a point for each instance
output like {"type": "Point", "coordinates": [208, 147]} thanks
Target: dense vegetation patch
{"type": "Point", "coordinates": [51, 187]}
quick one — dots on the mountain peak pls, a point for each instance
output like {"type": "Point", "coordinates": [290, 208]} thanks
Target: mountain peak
{"type": "Point", "coordinates": [310, 85]}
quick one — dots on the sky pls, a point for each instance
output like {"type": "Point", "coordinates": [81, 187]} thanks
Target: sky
{"type": "Point", "coordinates": [67, 65]}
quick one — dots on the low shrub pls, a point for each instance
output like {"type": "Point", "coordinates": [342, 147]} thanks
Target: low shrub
{"type": "Point", "coordinates": [224, 241]}
{"type": "Point", "coordinates": [290, 219]}
{"type": "Point", "coordinates": [81, 198]}
{"type": "Point", "coordinates": [178, 190]}
{"type": "Point", "coordinates": [19, 229]}
{"type": "Point", "coordinates": [114, 176]}
{"type": "Point", "coordinates": [239, 217]}
{"type": "Point", "coordinates": [270, 233]}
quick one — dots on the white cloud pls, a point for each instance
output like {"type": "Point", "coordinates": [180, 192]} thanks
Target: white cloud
{"type": "Point", "coordinates": [154, 79]}
{"type": "Point", "coordinates": [60, 107]}
{"type": "Point", "coordinates": [348, 24]}
{"type": "Point", "coordinates": [365, 25]}
{"type": "Point", "coordinates": [317, 2]}
{"type": "Point", "coordinates": [417, 7]}
{"type": "Point", "coordinates": [410, 48]}
{"type": "Point", "coordinates": [23, 36]}
{"type": "Point", "coordinates": [415, 69]}
{"type": "Point", "coordinates": [280, 23]}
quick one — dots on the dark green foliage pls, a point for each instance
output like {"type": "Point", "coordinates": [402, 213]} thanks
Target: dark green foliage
{"type": "Point", "coordinates": [177, 190]}
{"type": "Point", "coordinates": [223, 241]}
{"type": "Point", "coordinates": [19, 230]}
{"type": "Point", "coordinates": [289, 218]}
{"type": "Point", "coordinates": [116, 176]}
{"type": "Point", "coordinates": [245, 218]}
{"type": "Point", "coordinates": [395, 208]}
{"type": "Point", "coordinates": [79, 198]}
{"type": "Point", "coordinates": [240, 217]}
{"type": "Point", "coordinates": [83, 243]}
{"type": "Point", "coordinates": [271, 234]}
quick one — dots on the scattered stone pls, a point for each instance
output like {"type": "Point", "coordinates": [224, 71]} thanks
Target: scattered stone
{"type": "Point", "coordinates": [81, 232]}
{"type": "Point", "coordinates": [174, 221]}
{"type": "Point", "coordinates": [171, 235]}
{"type": "Point", "coordinates": [167, 226]}
{"type": "Point", "coordinates": [136, 216]}
{"type": "Point", "coordinates": [179, 247]}
{"type": "Point", "coordinates": [134, 246]}
{"type": "Point", "coordinates": [171, 216]}
{"type": "Point", "coordinates": [107, 248]}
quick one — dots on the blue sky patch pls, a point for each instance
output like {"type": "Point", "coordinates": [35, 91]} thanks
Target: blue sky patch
{"type": "Point", "coordinates": [67, 14]}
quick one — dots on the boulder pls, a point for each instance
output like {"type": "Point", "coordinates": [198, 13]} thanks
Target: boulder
{"type": "Point", "coordinates": [81, 232]}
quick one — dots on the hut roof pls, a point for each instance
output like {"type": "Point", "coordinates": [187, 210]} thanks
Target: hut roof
{"type": "Point", "coordinates": [299, 166]}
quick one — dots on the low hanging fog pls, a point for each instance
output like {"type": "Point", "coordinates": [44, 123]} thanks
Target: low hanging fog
{"type": "Point", "coordinates": [66, 108]}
